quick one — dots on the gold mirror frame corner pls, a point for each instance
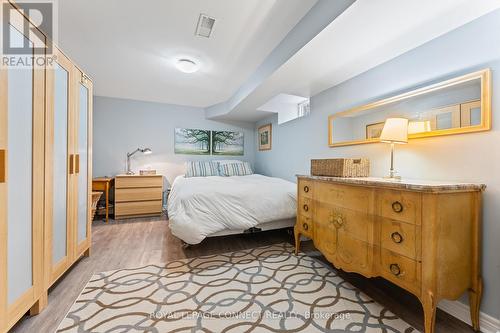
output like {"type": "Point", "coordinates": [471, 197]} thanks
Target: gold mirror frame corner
{"type": "Point", "coordinates": [486, 86]}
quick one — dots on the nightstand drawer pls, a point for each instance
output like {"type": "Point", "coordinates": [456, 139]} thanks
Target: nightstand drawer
{"type": "Point", "coordinates": [138, 181]}
{"type": "Point", "coordinates": [138, 194]}
{"type": "Point", "coordinates": [138, 208]}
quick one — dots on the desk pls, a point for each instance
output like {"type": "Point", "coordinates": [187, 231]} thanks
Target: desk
{"type": "Point", "coordinates": [103, 184]}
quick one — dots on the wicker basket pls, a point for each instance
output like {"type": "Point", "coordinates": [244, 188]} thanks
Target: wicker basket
{"type": "Point", "coordinates": [341, 167]}
{"type": "Point", "coordinates": [95, 199]}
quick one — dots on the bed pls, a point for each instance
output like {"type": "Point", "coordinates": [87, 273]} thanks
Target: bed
{"type": "Point", "coordinates": [200, 207]}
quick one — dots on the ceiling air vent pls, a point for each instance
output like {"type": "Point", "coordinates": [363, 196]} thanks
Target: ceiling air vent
{"type": "Point", "coordinates": [205, 26]}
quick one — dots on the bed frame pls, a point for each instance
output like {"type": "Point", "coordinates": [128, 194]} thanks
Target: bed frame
{"type": "Point", "coordinates": [273, 225]}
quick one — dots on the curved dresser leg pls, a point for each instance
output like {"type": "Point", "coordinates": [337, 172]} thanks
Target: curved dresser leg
{"type": "Point", "coordinates": [429, 305]}
{"type": "Point", "coordinates": [475, 295]}
{"type": "Point", "coordinates": [297, 240]}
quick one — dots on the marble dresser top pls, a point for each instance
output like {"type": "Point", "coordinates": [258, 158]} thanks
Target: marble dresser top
{"type": "Point", "coordinates": [403, 184]}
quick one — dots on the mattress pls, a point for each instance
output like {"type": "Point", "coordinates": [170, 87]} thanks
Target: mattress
{"type": "Point", "coordinates": [199, 207]}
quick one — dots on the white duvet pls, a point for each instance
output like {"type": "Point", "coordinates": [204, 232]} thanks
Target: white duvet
{"type": "Point", "coordinates": [201, 206]}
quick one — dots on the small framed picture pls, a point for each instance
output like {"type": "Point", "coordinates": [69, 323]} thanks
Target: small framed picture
{"type": "Point", "coordinates": [265, 137]}
{"type": "Point", "coordinates": [373, 131]}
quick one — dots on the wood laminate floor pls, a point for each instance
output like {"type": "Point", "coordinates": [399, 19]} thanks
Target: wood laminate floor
{"type": "Point", "coordinates": [138, 242]}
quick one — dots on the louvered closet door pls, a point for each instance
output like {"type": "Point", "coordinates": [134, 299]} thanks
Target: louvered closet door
{"type": "Point", "coordinates": [21, 179]}
{"type": "Point", "coordinates": [59, 222]}
{"type": "Point", "coordinates": [83, 160]}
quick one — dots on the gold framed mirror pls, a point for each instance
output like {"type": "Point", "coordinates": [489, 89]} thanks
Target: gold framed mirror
{"type": "Point", "coordinates": [455, 106]}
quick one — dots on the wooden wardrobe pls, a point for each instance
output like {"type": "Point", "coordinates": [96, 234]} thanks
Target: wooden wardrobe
{"type": "Point", "coordinates": [45, 172]}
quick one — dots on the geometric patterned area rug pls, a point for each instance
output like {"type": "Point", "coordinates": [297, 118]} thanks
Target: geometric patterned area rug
{"type": "Point", "coordinates": [266, 289]}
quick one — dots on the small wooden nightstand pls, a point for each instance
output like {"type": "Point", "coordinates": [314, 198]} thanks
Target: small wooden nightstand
{"type": "Point", "coordinates": [138, 196]}
{"type": "Point", "coordinates": [103, 184]}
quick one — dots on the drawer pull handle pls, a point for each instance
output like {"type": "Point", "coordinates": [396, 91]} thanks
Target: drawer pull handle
{"type": "Point", "coordinates": [305, 226]}
{"type": "Point", "coordinates": [71, 164]}
{"type": "Point", "coordinates": [306, 189]}
{"type": "Point", "coordinates": [397, 237]}
{"type": "Point", "coordinates": [397, 207]}
{"type": "Point", "coordinates": [77, 163]}
{"type": "Point", "coordinates": [306, 207]}
{"type": "Point", "coordinates": [395, 270]}
{"type": "Point", "coordinates": [3, 166]}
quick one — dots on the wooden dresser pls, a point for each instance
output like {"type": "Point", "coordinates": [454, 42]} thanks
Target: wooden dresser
{"type": "Point", "coordinates": [422, 236]}
{"type": "Point", "coordinates": [138, 196]}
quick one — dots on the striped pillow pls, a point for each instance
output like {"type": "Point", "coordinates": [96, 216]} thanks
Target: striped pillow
{"type": "Point", "coordinates": [235, 169]}
{"type": "Point", "coordinates": [202, 169]}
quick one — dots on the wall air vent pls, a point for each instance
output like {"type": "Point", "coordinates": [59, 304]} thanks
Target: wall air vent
{"type": "Point", "coordinates": [205, 26]}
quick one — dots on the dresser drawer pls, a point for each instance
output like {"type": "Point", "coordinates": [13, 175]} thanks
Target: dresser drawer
{"type": "Point", "coordinates": [400, 237]}
{"type": "Point", "coordinates": [325, 238]}
{"type": "Point", "coordinates": [138, 208]}
{"type": "Point", "coordinates": [350, 197]}
{"type": "Point", "coordinates": [138, 181]}
{"type": "Point", "coordinates": [400, 205]}
{"type": "Point", "coordinates": [305, 226]}
{"type": "Point", "coordinates": [138, 194]}
{"type": "Point", "coordinates": [305, 188]}
{"type": "Point", "coordinates": [305, 207]}
{"type": "Point", "coordinates": [357, 225]}
{"type": "Point", "coordinates": [400, 270]}
{"type": "Point", "coordinates": [354, 255]}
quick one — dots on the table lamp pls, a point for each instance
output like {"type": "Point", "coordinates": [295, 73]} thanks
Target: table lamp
{"type": "Point", "coordinates": [129, 155]}
{"type": "Point", "coordinates": [395, 131]}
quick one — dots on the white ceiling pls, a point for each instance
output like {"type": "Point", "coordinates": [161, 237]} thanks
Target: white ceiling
{"type": "Point", "coordinates": [277, 101]}
{"type": "Point", "coordinates": [128, 46]}
{"type": "Point", "coordinates": [367, 34]}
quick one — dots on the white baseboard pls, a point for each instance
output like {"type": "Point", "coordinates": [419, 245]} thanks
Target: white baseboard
{"type": "Point", "coordinates": [459, 310]}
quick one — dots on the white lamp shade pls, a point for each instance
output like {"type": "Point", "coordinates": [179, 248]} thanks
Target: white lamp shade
{"type": "Point", "coordinates": [395, 131]}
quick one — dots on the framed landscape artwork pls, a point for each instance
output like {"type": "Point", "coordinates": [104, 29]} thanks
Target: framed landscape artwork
{"type": "Point", "coordinates": [192, 141]}
{"type": "Point", "coordinates": [205, 142]}
{"type": "Point", "coordinates": [227, 143]}
{"type": "Point", "coordinates": [373, 131]}
{"type": "Point", "coordinates": [265, 137]}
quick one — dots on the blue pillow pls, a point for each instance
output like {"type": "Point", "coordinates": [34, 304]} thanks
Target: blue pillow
{"type": "Point", "coordinates": [235, 169]}
{"type": "Point", "coordinates": [202, 169]}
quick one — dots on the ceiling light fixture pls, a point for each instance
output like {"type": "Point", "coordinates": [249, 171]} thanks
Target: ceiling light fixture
{"type": "Point", "coordinates": [187, 65]}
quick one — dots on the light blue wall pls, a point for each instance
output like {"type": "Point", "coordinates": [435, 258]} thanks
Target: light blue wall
{"type": "Point", "coordinates": [469, 157]}
{"type": "Point", "coordinates": [121, 125]}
